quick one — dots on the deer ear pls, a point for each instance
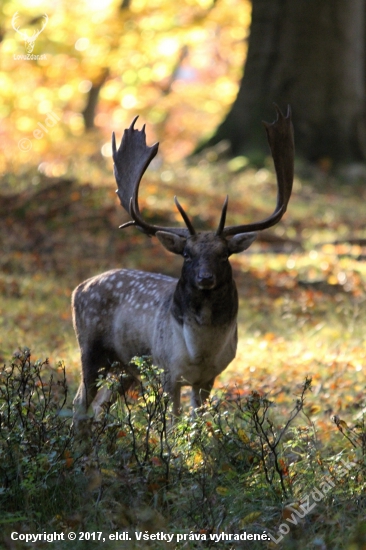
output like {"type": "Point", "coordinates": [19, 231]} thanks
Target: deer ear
{"type": "Point", "coordinates": [170, 241]}
{"type": "Point", "coordinates": [240, 242]}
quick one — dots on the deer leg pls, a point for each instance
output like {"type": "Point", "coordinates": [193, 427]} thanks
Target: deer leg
{"type": "Point", "coordinates": [92, 360]}
{"type": "Point", "coordinates": [83, 398]}
{"type": "Point", "coordinates": [200, 393]}
{"type": "Point", "coordinates": [107, 395]}
{"type": "Point", "coordinates": [175, 394]}
{"type": "Point", "coordinates": [80, 401]}
{"type": "Point", "coordinates": [104, 395]}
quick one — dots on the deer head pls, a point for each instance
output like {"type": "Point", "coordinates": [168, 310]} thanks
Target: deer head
{"type": "Point", "coordinates": [29, 40]}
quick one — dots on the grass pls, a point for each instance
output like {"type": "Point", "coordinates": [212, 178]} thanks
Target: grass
{"type": "Point", "coordinates": [302, 313]}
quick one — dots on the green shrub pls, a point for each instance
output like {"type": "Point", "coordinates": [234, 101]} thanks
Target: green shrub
{"type": "Point", "coordinates": [231, 467]}
{"type": "Point", "coordinates": [35, 442]}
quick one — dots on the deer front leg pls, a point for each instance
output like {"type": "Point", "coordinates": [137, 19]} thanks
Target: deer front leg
{"type": "Point", "coordinates": [108, 395]}
{"type": "Point", "coordinates": [104, 395]}
{"type": "Point", "coordinates": [175, 394]}
{"type": "Point", "coordinates": [200, 393]}
{"type": "Point", "coordinates": [86, 391]}
{"type": "Point", "coordinates": [81, 420]}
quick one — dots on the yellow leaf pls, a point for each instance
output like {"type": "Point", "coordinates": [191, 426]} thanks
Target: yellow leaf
{"type": "Point", "coordinates": [332, 280]}
{"type": "Point", "coordinates": [314, 409]}
{"type": "Point", "coordinates": [198, 457]}
{"type": "Point", "coordinates": [222, 491]}
{"type": "Point", "coordinates": [250, 518]}
{"type": "Point", "coordinates": [243, 436]}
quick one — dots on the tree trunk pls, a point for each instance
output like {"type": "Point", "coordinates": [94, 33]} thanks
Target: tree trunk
{"type": "Point", "coordinates": [92, 101]}
{"type": "Point", "coordinates": [309, 54]}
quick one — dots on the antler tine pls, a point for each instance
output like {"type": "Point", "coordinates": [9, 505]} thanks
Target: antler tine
{"type": "Point", "coordinates": [223, 217]}
{"type": "Point", "coordinates": [114, 147]}
{"type": "Point", "coordinates": [130, 162]}
{"type": "Point", "coordinates": [187, 221]}
{"type": "Point", "coordinates": [281, 141]}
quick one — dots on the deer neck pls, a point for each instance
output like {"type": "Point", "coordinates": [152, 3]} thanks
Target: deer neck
{"type": "Point", "coordinates": [217, 307]}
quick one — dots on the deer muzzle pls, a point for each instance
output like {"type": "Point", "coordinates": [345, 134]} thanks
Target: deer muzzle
{"type": "Point", "coordinates": [206, 280]}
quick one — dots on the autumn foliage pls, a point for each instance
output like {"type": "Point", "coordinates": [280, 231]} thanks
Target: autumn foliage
{"type": "Point", "coordinates": [268, 437]}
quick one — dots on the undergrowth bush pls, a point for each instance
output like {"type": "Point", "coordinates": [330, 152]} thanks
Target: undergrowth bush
{"type": "Point", "coordinates": [234, 466]}
{"type": "Point", "coordinates": [35, 439]}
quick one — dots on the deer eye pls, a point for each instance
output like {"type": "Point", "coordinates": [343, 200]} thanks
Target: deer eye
{"type": "Point", "coordinates": [186, 256]}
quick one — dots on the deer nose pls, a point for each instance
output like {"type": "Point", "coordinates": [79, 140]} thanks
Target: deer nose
{"type": "Point", "coordinates": [206, 280]}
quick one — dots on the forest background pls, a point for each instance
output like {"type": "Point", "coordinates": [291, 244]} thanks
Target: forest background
{"type": "Point", "coordinates": [92, 67]}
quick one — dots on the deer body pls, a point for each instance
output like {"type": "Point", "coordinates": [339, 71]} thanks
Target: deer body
{"type": "Point", "coordinates": [190, 332]}
{"type": "Point", "coordinates": [188, 325]}
{"type": "Point", "coordinates": [189, 350]}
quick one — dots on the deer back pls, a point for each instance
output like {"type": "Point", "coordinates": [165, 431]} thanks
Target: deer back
{"type": "Point", "coordinates": [119, 309]}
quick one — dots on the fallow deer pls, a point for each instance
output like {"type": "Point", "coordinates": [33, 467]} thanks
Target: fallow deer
{"type": "Point", "coordinates": [188, 325]}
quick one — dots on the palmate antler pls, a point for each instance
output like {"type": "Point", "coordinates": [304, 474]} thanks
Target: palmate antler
{"type": "Point", "coordinates": [130, 162]}
{"type": "Point", "coordinates": [133, 157]}
{"type": "Point", "coordinates": [280, 137]}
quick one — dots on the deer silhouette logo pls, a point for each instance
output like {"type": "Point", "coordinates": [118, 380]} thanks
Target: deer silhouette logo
{"type": "Point", "coordinates": [28, 40]}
